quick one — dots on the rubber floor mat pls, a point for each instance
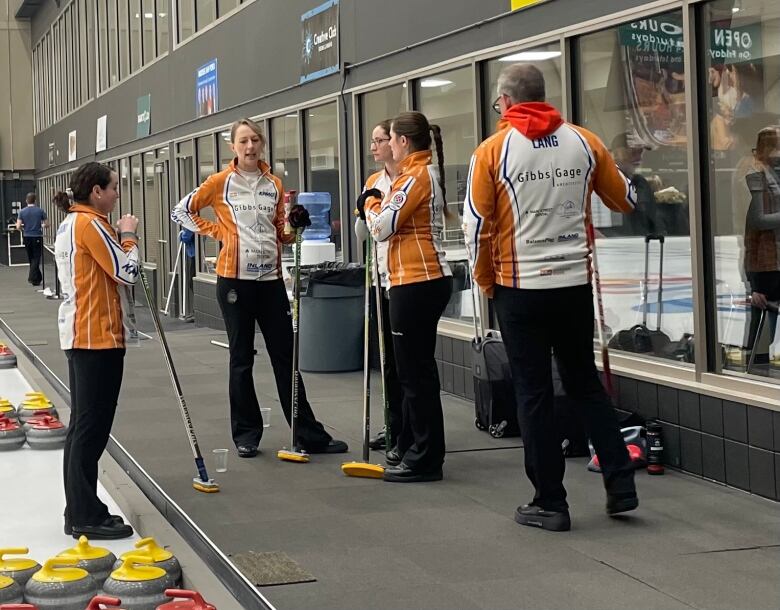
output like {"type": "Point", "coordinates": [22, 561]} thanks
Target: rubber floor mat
{"type": "Point", "coordinates": [272, 568]}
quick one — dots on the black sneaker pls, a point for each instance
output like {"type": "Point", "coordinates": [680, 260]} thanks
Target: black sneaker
{"type": "Point", "coordinates": [247, 451]}
{"type": "Point", "coordinates": [108, 530]}
{"type": "Point", "coordinates": [535, 516]}
{"type": "Point", "coordinates": [378, 442]}
{"type": "Point", "coordinates": [621, 502]}
{"type": "Point", "coordinates": [334, 446]}
{"type": "Point", "coordinates": [393, 457]}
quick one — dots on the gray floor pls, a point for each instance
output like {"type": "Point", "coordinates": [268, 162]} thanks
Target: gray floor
{"type": "Point", "coordinates": [453, 544]}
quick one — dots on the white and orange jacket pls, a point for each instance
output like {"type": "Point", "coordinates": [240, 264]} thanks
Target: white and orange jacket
{"type": "Point", "coordinates": [250, 221]}
{"type": "Point", "coordinates": [528, 196]}
{"type": "Point", "coordinates": [410, 218]}
{"type": "Point", "coordinates": [94, 270]}
{"type": "Point", "coordinates": [381, 181]}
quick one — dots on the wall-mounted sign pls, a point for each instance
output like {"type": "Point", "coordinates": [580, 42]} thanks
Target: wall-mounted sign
{"type": "Point", "coordinates": [143, 116]}
{"type": "Point", "coordinates": [72, 146]}
{"type": "Point", "coordinates": [51, 154]}
{"type": "Point", "coordinates": [206, 89]}
{"type": "Point", "coordinates": [100, 137]}
{"type": "Point", "coordinates": [731, 44]}
{"type": "Point", "coordinates": [320, 41]}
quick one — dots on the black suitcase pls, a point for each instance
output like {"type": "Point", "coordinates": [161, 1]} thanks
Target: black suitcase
{"type": "Point", "coordinates": [639, 338]}
{"type": "Point", "coordinates": [494, 396]}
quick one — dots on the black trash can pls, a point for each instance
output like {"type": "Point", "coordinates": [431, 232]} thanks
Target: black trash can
{"type": "Point", "coordinates": [331, 323]}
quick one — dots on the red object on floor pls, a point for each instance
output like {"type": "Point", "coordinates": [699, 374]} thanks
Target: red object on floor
{"type": "Point", "coordinates": [18, 607]}
{"type": "Point", "coordinates": [194, 601]}
{"type": "Point", "coordinates": [635, 453]}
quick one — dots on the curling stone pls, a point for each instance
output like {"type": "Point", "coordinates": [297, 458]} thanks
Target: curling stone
{"type": "Point", "coordinates": [60, 586]}
{"type": "Point", "coordinates": [158, 557]}
{"type": "Point", "coordinates": [11, 434]}
{"type": "Point", "coordinates": [139, 585]}
{"type": "Point", "coordinates": [99, 601]}
{"type": "Point", "coordinates": [48, 433]}
{"type": "Point", "coordinates": [7, 357]}
{"type": "Point", "coordinates": [20, 569]}
{"type": "Point", "coordinates": [37, 418]}
{"type": "Point", "coordinates": [194, 601]}
{"type": "Point", "coordinates": [34, 407]}
{"type": "Point", "coordinates": [10, 591]}
{"type": "Point", "coordinates": [7, 409]}
{"type": "Point", "coordinates": [94, 559]}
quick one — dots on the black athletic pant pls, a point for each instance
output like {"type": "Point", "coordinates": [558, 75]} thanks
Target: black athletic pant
{"type": "Point", "coordinates": [395, 394]}
{"type": "Point", "coordinates": [34, 247]}
{"type": "Point", "coordinates": [533, 324]}
{"type": "Point", "coordinates": [768, 284]}
{"type": "Point", "coordinates": [95, 378]}
{"type": "Point", "coordinates": [415, 310]}
{"type": "Point", "coordinates": [244, 302]}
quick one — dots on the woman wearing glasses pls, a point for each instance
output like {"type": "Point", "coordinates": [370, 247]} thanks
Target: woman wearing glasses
{"type": "Point", "coordinates": [410, 217]}
{"type": "Point", "coordinates": [383, 181]}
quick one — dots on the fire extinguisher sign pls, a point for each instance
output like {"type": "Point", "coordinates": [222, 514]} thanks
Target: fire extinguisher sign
{"type": "Point", "coordinates": [320, 41]}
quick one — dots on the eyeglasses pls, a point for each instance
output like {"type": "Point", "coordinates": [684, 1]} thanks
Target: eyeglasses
{"type": "Point", "coordinates": [496, 107]}
{"type": "Point", "coordinates": [377, 142]}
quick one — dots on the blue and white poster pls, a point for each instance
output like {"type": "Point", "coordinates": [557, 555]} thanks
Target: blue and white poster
{"type": "Point", "coordinates": [320, 41]}
{"type": "Point", "coordinates": [206, 89]}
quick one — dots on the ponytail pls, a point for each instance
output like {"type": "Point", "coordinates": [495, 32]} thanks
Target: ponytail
{"type": "Point", "coordinates": [63, 200]}
{"type": "Point", "coordinates": [439, 144]}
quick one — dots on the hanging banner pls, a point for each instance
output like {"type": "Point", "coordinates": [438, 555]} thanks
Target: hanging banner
{"type": "Point", "coordinates": [100, 137]}
{"type": "Point", "coordinates": [143, 116]}
{"type": "Point", "coordinates": [206, 89]}
{"type": "Point", "coordinates": [320, 41]}
{"type": "Point", "coordinates": [72, 146]}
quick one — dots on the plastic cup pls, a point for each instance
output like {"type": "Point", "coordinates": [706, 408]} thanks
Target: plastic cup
{"type": "Point", "coordinates": [220, 459]}
{"type": "Point", "coordinates": [265, 412]}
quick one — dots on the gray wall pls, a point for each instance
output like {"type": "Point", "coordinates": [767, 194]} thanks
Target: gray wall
{"type": "Point", "coordinates": [16, 126]}
{"type": "Point", "coordinates": [258, 52]}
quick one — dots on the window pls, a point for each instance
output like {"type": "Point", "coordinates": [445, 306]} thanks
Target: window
{"type": "Point", "coordinates": [162, 27]}
{"type": "Point", "coordinates": [113, 43]}
{"type": "Point", "coordinates": [447, 100]}
{"type": "Point", "coordinates": [151, 209]}
{"type": "Point", "coordinates": [209, 248]}
{"type": "Point", "coordinates": [124, 187]}
{"type": "Point", "coordinates": [102, 21]}
{"type": "Point", "coordinates": [285, 153]}
{"type": "Point", "coordinates": [376, 107]}
{"type": "Point", "coordinates": [186, 19]}
{"type": "Point", "coordinates": [205, 13]}
{"type": "Point", "coordinates": [742, 100]}
{"type": "Point", "coordinates": [137, 209]}
{"type": "Point", "coordinates": [124, 40]}
{"type": "Point", "coordinates": [225, 152]}
{"type": "Point", "coordinates": [88, 81]}
{"type": "Point", "coordinates": [631, 94]}
{"type": "Point", "coordinates": [149, 41]}
{"type": "Point", "coordinates": [322, 151]}
{"type": "Point", "coordinates": [136, 45]}
{"type": "Point", "coordinates": [67, 92]}
{"type": "Point", "coordinates": [225, 6]}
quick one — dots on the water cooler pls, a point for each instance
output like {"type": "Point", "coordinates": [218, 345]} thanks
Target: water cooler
{"type": "Point", "coordinates": [317, 247]}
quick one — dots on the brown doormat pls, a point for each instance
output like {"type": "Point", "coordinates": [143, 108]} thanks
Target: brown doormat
{"type": "Point", "coordinates": [273, 568]}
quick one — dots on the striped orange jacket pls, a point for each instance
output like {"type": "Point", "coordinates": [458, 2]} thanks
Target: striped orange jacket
{"type": "Point", "coordinates": [250, 221]}
{"type": "Point", "coordinates": [528, 197]}
{"type": "Point", "coordinates": [410, 217]}
{"type": "Point", "coordinates": [93, 269]}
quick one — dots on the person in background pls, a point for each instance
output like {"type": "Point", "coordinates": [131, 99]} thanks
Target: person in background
{"type": "Point", "coordinates": [96, 264]}
{"type": "Point", "coordinates": [32, 220]}
{"type": "Point", "coordinates": [248, 202]}
{"type": "Point", "coordinates": [526, 219]}
{"type": "Point", "coordinates": [410, 216]}
{"type": "Point", "coordinates": [383, 181]}
{"type": "Point", "coordinates": [628, 158]}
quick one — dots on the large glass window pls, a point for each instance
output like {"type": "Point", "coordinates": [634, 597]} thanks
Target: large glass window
{"type": "Point", "coordinates": [285, 151]}
{"type": "Point", "coordinates": [151, 209]}
{"type": "Point", "coordinates": [447, 99]}
{"type": "Point", "coordinates": [113, 43]}
{"type": "Point", "coordinates": [631, 94]}
{"type": "Point", "coordinates": [209, 248]}
{"type": "Point", "coordinates": [225, 152]}
{"type": "Point", "coordinates": [742, 98]}
{"type": "Point", "coordinates": [102, 21]}
{"type": "Point", "coordinates": [162, 27]}
{"type": "Point", "coordinates": [547, 58]}
{"type": "Point", "coordinates": [87, 16]}
{"type": "Point", "coordinates": [322, 151]}
{"type": "Point", "coordinates": [124, 40]}
{"type": "Point", "coordinates": [149, 41]}
{"type": "Point", "coordinates": [124, 187]}
{"type": "Point", "coordinates": [225, 6]}
{"type": "Point", "coordinates": [205, 13]}
{"type": "Point", "coordinates": [137, 209]}
{"type": "Point", "coordinates": [376, 107]}
{"type": "Point", "coordinates": [185, 18]}
{"type": "Point", "coordinates": [136, 50]}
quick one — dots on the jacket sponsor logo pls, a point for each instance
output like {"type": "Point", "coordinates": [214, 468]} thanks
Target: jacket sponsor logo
{"type": "Point", "coordinates": [549, 271]}
{"type": "Point", "coordinates": [555, 257]}
{"type": "Point", "coordinates": [271, 194]}
{"type": "Point", "coordinates": [397, 200]}
{"type": "Point", "coordinates": [539, 212]}
{"type": "Point", "coordinates": [568, 237]}
{"type": "Point", "coordinates": [536, 242]}
{"type": "Point", "coordinates": [555, 174]}
{"type": "Point", "coordinates": [250, 207]}
{"type": "Point", "coordinates": [257, 268]}
{"type": "Point", "coordinates": [567, 209]}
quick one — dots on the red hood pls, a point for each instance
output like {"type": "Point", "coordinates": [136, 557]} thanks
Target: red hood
{"type": "Point", "coordinates": [533, 119]}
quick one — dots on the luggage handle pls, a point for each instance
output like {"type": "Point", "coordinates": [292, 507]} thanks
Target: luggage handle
{"type": "Point", "coordinates": [660, 239]}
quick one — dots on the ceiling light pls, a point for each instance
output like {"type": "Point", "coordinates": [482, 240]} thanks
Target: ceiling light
{"type": "Point", "coordinates": [161, 15]}
{"type": "Point", "coordinates": [531, 56]}
{"type": "Point", "coordinates": [148, 15]}
{"type": "Point", "coordinates": [294, 115]}
{"type": "Point", "coordinates": [435, 82]}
